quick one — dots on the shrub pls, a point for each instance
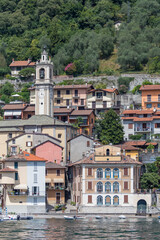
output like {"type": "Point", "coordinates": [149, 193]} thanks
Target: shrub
{"type": "Point", "coordinates": [70, 69]}
{"type": "Point", "coordinates": [136, 137]}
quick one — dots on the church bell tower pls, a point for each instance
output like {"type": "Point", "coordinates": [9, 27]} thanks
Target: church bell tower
{"type": "Point", "coordinates": [44, 85]}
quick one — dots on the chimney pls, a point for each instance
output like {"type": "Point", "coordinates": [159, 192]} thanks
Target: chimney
{"type": "Point", "coordinates": [12, 59]}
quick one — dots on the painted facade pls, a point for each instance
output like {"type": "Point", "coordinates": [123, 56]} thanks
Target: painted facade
{"type": "Point", "coordinates": [17, 66]}
{"type": "Point", "coordinates": [55, 183]}
{"type": "Point", "coordinates": [107, 180]}
{"type": "Point", "coordinates": [23, 183]}
{"type": "Point", "coordinates": [150, 96]}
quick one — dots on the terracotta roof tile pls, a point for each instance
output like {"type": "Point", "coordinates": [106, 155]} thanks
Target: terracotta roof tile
{"type": "Point", "coordinates": [137, 112]}
{"type": "Point", "coordinates": [81, 112]}
{"type": "Point", "coordinates": [32, 157]}
{"type": "Point", "coordinates": [153, 143]}
{"type": "Point", "coordinates": [12, 106]}
{"type": "Point", "coordinates": [63, 110]}
{"type": "Point", "coordinates": [22, 64]}
{"type": "Point", "coordinates": [127, 147]}
{"type": "Point", "coordinates": [127, 118]}
{"type": "Point", "coordinates": [7, 169]}
{"type": "Point", "coordinates": [136, 143]}
{"type": "Point", "coordinates": [30, 108]}
{"type": "Point", "coordinates": [149, 87]}
{"type": "Point", "coordinates": [147, 119]}
{"type": "Point", "coordinates": [90, 160]}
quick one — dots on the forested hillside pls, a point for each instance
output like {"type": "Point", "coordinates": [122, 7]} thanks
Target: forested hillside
{"type": "Point", "coordinates": [81, 32]}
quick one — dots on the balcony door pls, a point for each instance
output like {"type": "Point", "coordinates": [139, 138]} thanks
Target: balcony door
{"type": "Point", "coordinates": [58, 198]}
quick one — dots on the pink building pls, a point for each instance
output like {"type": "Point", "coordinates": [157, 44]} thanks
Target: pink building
{"type": "Point", "coordinates": [49, 150]}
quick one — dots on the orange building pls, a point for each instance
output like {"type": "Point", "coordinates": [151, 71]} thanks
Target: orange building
{"type": "Point", "coordinates": [150, 96]}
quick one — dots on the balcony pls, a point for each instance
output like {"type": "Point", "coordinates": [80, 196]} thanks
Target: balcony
{"type": "Point", "coordinates": [14, 193]}
{"type": "Point", "coordinates": [99, 98]}
{"type": "Point", "coordinates": [41, 193]}
{"type": "Point", "coordinates": [147, 129]}
{"type": "Point", "coordinates": [76, 96]}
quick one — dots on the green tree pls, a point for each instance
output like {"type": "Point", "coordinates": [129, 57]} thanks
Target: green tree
{"type": "Point", "coordinates": [150, 181]}
{"type": "Point", "coordinates": [7, 89]}
{"type": "Point", "coordinates": [157, 163]}
{"type": "Point", "coordinates": [27, 72]}
{"type": "Point", "coordinates": [109, 128]}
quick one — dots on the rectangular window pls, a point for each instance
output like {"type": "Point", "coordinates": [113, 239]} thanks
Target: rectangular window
{"type": "Point", "coordinates": [148, 98]}
{"type": "Point", "coordinates": [89, 198]}
{"type": "Point", "coordinates": [35, 200]}
{"type": "Point", "coordinates": [59, 135]}
{"type": "Point", "coordinates": [130, 126]}
{"type": "Point", "coordinates": [125, 185]}
{"type": "Point", "coordinates": [125, 198]}
{"type": "Point", "coordinates": [78, 199]}
{"type": "Point", "coordinates": [125, 171]}
{"type": "Point", "coordinates": [76, 93]}
{"type": "Point", "coordinates": [58, 198]}
{"type": "Point", "coordinates": [104, 93]}
{"type": "Point", "coordinates": [15, 165]}
{"type": "Point", "coordinates": [28, 144]}
{"type": "Point", "coordinates": [82, 101]}
{"type": "Point", "coordinates": [93, 105]}
{"type": "Point", "coordinates": [13, 141]}
{"type": "Point", "coordinates": [35, 166]}
{"type": "Point", "coordinates": [16, 176]}
{"type": "Point", "coordinates": [104, 104]}
{"type": "Point", "coordinates": [35, 190]}
{"type": "Point", "coordinates": [88, 143]}
{"type": "Point", "coordinates": [67, 102]}
{"type": "Point", "coordinates": [58, 172]}
{"type": "Point", "coordinates": [10, 135]}
{"type": "Point", "coordinates": [35, 178]}
{"type": "Point", "coordinates": [157, 125]}
{"type": "Point", "coordinates": [58, 93]}
{"type": "Point", "coordinates": [67, 92]}
{"type": "Point", "coordinates": [149, 105]}
{"type": "Point", "coordinates": [58, 101]}
{"type": "Point", "coordinates": [89, 185]}
{"type": "Point", "coordinates": [75, 100]}
{"type": "Point", "coordinates": [14, 149]}
{"type": "Point", "coordinates": [89, 171]}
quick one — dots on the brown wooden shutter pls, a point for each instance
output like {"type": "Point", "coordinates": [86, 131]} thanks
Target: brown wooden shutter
{"type": "Point", "coordinates": [125, 171]}
{"type": "Point", "coordinates": [115, 199]}
{"type": "Point", "coordinates": [89, 185]}
{"type": "Point", "coordinates": [155, 125]}
{"type": "Point", "coordinates": [89, 171]}
{"type": "Point", "coordinates": [125, 198]}
{"type": "Point", "coordinates": [88, 143]}
{"type": "Point", "coordinates": [89, 198]}
{"type": "Point", "coordinates": [130, 125]}
{"type": "Point", "coordinates": [125, 185]}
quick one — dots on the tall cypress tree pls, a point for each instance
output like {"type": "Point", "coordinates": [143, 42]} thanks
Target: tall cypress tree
{"type": "Point", "coordinates": [109, 128]}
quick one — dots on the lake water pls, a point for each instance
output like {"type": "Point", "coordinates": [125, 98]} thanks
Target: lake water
{"type": "Point", "coordinates": [88, 228]}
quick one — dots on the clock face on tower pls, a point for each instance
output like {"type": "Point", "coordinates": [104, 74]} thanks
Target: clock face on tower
{"type": "Point", "coordinates": [41, 93]}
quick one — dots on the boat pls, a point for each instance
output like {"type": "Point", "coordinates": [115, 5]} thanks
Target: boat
{"type": "Point", "coordinates": [99, 217]}
{"type": "Point", "coordinates": [26, 218]}
{"type": "Point", "coordinates": [69, 217]}
{"type": "Point", "coordinates": [79, 217]}
{"type": "Point", "coordinates": [122, 217]}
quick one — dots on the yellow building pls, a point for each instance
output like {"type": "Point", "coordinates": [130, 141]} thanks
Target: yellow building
{"type": "Point", "coordinates": [55, 183]}
{"type": "Point", "coordinates": [130, 151]}
{"type": "Point", "coordinates": [108, 179]}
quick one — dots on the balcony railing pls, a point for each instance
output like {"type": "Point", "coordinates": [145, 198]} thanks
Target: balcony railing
{"type": "Point", "coordinates": [148, 129]}
{"type": "Point", "coordinates": [13, 193]}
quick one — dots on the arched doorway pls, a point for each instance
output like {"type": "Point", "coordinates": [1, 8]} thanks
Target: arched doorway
{"type": "Point", "coordinates": [141, 207]}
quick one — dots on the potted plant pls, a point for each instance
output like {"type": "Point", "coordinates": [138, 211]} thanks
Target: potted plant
{"type": "Point", "coordinates": [63, 209]}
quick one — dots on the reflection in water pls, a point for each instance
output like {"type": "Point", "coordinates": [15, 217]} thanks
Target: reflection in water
{"type": "Point", "coordinates": [88, 228]}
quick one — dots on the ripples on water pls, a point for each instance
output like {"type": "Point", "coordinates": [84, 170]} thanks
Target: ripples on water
{"type": "Point", "coordinates": [88, 228]}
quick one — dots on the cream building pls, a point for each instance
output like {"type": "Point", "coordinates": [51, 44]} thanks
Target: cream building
{"type": "Point", "coordinates": [23, 184]}
{"type": "Point", "coordinates": [108, 182]}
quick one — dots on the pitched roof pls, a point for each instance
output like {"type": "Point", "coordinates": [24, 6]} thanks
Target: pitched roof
{"type": "Point", "coordinates": [23, 157]}
{"type": "Point", "coordinates": [130, 111]}
{"type": "Point", "coordinates": [22, 63]}
{"type": "Point", "coordinates": [126, 146]}
{"type": "Point", "coordinates": [80, 135]}
{"type": "Point", "coordinates": [35, 120]}
{"type": "Point", "coordinates": [63, 110]}
{"type": "Point", "coordinates": [46, 142]}
{"type": "Point", "coordinates": [30, 108]}
{"type": "Point", "coordinates": [146, 119]}
{"type": "Point", "coordinates": [90, 160]}
{"type": "Point", "coordinates": [81, 112]}
{"type": "Point", "coordinates": [136, 143]}
{"type": "Point", "coordinates": [149, 87]}
{"type": "Point", "coordinates": [14, 106]}
{"type": "Point", "coordinates": [72, 86]}
{"type": "Point", "coordinates": [54, 165]}
{"type": "Point", "coordinates": [32, 157]}
{"type": "Point", "coordinates": [7, 169]}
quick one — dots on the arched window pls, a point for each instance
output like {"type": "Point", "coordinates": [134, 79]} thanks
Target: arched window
{"type": "Point", "coordinates": [115, 200]}
{"type": "Point", "coordinates": [107, 173]}
{"type": "Point", "coordinates": [107, 152]}
{"type": "Point", "coordinates": [99, 187]}
{"type": "Point", "coordinates": [107, 187]}
{"type": "Point", "coordinates": [115, 187]}
{"type": "Point", "coordinates": [116, 173]}
{"type": "Point", "coordinates": [99, 173]}
{"type": "Point", "coordinates": [99, 200]}
{"type": "Point", "coordinates": [107, 200]}
{"type": "Point", "coordinates": [42, 73]}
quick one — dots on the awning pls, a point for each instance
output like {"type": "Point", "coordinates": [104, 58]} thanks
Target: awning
{"type": "Point", "coordinates": [8, 113]}
{"type": "Point", "coordinates": [17, 113]}
{"type": "Point", "coordinates": [58, 180]}
{"type": "Point", "coordinates": [21, 186]}
{"type": "Point", "coordinates": [47, 180]}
